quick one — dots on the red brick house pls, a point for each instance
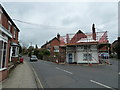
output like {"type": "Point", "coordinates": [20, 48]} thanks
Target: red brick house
{"type": "Point", "coordinates": [56, 48]}
{"type": "Point", "coordinates": [8, 42]}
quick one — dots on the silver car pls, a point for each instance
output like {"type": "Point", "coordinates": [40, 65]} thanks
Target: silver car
{"type": "Point", "coordinates": [33, 58]}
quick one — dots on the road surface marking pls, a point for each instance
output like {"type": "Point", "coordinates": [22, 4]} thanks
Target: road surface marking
{"type": "Point", "coordinates": [102, 84]}
{"type": "Point", "coordinates": [37, 78]}
{"type": "Point", "coordinates": [64, 70]}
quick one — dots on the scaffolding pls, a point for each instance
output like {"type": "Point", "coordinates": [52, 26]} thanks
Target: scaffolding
{"type": "Point", "coordinates": [85, 39]}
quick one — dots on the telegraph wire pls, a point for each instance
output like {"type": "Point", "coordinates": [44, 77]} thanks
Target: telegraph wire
{"type": "Point", "coordinates": [42, 25]}
{"type": "Point", "coordinates": [55, 27]}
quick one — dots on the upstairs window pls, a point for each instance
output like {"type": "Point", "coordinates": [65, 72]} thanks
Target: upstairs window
{"type": "Point", "coordinates": [9, 25]}
{"type": "Point", "coordinates": [0, 16]}
{"type": "Point", "coordinates": [14, 33]}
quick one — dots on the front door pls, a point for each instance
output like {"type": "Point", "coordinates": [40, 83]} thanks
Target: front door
{"type": "Point", "coordinates": [70, 57]}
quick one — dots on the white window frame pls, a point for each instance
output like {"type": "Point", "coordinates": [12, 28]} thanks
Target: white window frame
{"type": "Point", "coordinates": [1, 16]}
{"type": "Point", "coordinates": [2, 57]}
{"type": "Point", "coordinates": [14, 33]}
{"type": "Point", "coordinates": [16, 51]}
{"type": "Point", "coordinates": [88, 58]}
{"type": "Point", "coordinates": [9, 25]}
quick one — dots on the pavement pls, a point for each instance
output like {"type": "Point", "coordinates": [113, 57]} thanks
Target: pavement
{"type": "Point", "coordinates": [21, 77]}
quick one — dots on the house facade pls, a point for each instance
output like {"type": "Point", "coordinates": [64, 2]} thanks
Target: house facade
{"type": "Point", "coordinates": [8, 40]}
{"type": "Point", "coordinates": [80, 47]}
{"type": "Point", "coordinates": [84, 48]}
{"type": "Point", "coordinates": [82, 53]}
{"type": "Point", "coordinates": [56, 49]}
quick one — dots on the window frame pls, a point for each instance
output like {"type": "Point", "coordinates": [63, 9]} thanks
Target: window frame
{"type": "Point", "coordinates": [9, 25]}
{"type": "Point", "coordinates": [1, 59]}
{"type": "Point", "coordinates": [1, 16]}
{"type": "Point", "coordinates": [87, 56]}
{"type": "Point", "coordinates": [14, 33]}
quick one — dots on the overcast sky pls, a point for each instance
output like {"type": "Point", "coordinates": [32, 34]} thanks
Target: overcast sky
{"type": "Point", "coordinates": [62, 17]}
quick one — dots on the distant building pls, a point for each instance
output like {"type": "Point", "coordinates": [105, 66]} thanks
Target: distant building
{"type": "Point", "coordinates": [56, 48]}
{"type": "Point", "coordinates": [8, 42]}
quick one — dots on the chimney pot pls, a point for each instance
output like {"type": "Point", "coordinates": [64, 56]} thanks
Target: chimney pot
{"type": "Point", "coordinates": [93, 32]}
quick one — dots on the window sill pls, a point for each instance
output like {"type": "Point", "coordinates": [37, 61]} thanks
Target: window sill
{"type": "Point", "coordinates": [2, 69]}
{"type": "Point", "coordinates": [14, 56]}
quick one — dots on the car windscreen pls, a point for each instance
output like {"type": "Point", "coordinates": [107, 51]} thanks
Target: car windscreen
{"type": "Point", "coordinates": [33, 56]}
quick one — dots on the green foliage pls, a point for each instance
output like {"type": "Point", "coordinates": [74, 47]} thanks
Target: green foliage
{"type": "Point", "coordinates": [36, 47]}
{"type": "Point", "coordinates": [30, 49]}
{"type": "Point", "coordinates": [20, 49]}
{"type": "Point", "coordinates": [24, 50]}
{"type": "Point", "coordinates": [40, 53]}
{"type": "Point", "coordinates": [117, 48]}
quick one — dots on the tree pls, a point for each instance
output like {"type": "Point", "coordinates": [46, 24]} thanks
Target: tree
{"type": "Point", "coordinates": [20, 49]}
{"type": "Point", "coordinates": [42, 53]}
{"type": "Point", "coordinates": [30, 51]}
{"type": "Point", "coordinates": [36, 47]}
{"type": "Point", "coordinates": [117, 49]}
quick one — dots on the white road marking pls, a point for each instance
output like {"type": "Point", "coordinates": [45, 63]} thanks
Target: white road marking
{"type": "Point", "coordinates": [102, 84]}
{"type": "Point", "coordinates": [38, 78]}
{"type": "Point", "coordinates": [64, 70]}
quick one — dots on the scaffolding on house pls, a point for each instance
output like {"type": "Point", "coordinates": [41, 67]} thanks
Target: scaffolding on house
{"type": "Point", "coordinates": [85, 39]}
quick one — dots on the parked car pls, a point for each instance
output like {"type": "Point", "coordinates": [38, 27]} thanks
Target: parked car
{"type": "Point", "coordinates": [104, 55]}
{"type": "Point", "coordinates": [33, 58]}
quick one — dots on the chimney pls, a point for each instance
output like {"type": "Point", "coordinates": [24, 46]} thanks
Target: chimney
{"type": "Point", "coordinates": [93, 32]}
{"type": "Point", "coordinates": [58, 36]}
{"type": "Point", "coordinates": [67, 38]}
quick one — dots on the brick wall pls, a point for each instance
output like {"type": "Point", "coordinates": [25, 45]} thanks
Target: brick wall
{"type": "Point", "coordinates": [4, 21]}
{"type": "Point", "coordinates": [53, 43]}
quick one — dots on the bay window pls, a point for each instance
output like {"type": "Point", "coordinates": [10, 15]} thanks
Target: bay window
{"type": "Point", "coordinates": [3, 49]}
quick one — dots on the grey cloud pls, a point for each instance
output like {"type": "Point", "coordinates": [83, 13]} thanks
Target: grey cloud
{"type": "Point", "coordinates": [62, 18]}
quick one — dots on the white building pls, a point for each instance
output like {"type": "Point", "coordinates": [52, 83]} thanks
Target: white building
{"type": "Point", "coordinates": [83, 47]}
{"type": "Point", "coordinates": [82, 53]}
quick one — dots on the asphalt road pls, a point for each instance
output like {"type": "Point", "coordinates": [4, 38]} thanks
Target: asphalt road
{"type": "Point", "coordinates": [53, 75]}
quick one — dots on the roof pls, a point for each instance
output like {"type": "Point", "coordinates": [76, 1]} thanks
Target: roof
{"type": "Point", "coordinates": [86, 38]}
{"type": "Point", "coordinates": [77, 36]}
{"type": "Point", "coordinates": [50, 41]}
{"type": "Point", "coordinates": [81, 38]}
{"type": "Point", "coordinates": [82, 43]}
{"type": "Point", "coordinates": [8, 17]}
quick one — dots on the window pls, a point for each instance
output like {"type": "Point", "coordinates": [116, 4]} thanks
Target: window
{"type": "Point", "coordinates": [56, 48]}
{"type": "Point", "coordinates": [87, 56]}
{"type": "Point", "coordinates": [9, 25]}
{"type": "Point", "coordinates": [0, 16]}
{"type": "Point", "coordinates": [14, 33]}
{"type": "Point", "coordinates": [87, 47]}
{"type": "Point", "coordinates": [14, 51]}
{"type": "Point", "coordinates": [3, 47]}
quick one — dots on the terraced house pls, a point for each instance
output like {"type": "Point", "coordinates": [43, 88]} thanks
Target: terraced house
{"type": "Point", "coordinates": [9, 45]}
